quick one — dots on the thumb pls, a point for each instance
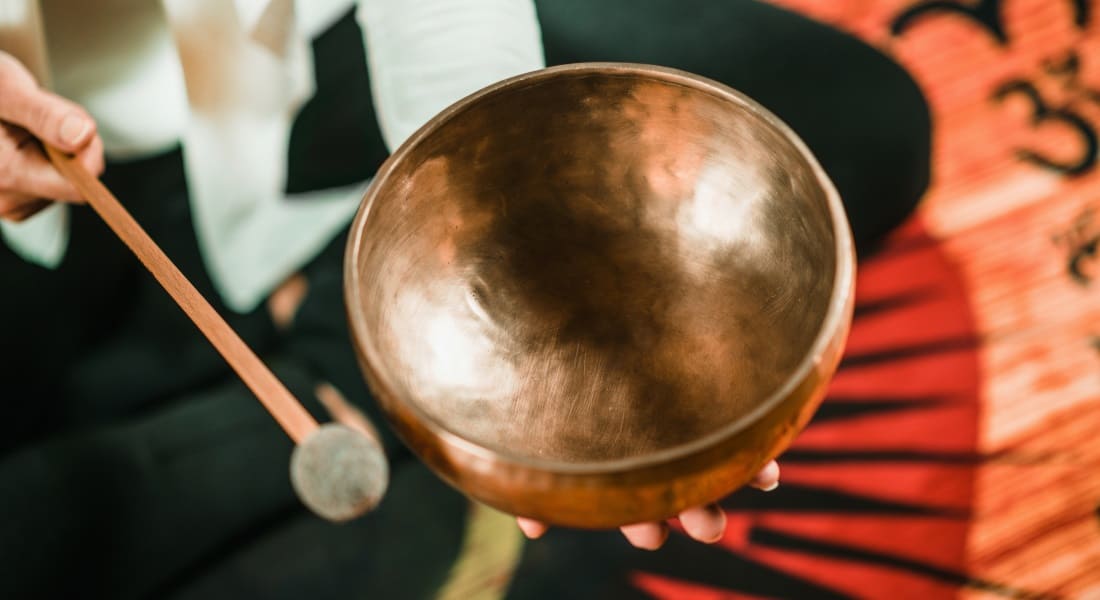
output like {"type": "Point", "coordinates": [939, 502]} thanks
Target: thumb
{"type": "Point", "coordinates": [49, 117]}
{"type": "Point", "coordinates": [54, 120]}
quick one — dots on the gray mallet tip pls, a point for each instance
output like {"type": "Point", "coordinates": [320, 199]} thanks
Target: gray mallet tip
{"type": "Point", "coordinates": [339, 473]}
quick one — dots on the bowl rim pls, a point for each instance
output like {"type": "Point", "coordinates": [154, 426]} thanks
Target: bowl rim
{"type": "Point", "coordinates": [835, 321]}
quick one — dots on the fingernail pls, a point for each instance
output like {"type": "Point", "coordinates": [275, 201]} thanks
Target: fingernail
{"type": "Point", "coordinates": [771, 487]}
{"type": "Point", "coordinates": [73, 128]}
{"type": "Point", "coordinates": [531, 531]}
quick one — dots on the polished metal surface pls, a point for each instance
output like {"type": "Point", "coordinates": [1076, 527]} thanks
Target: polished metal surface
{"type": "Point", "coordinates": [600, 293]}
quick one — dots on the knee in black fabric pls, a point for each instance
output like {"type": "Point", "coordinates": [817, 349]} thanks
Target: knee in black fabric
{"type": "Point", "coordinates": [883, 169]}
{"type": "Point", "coordinates": [403, 550]}
{"type": "Point", "coordinates": [858, 111]}
{"type": "Point", "coordinates": [118, 510]}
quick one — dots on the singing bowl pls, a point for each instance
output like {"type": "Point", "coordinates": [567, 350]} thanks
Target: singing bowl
{"type": "Point", "coordinates": [599, 294]}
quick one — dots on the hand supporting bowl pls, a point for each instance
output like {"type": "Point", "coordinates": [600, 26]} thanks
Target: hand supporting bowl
{"type": "Point", "coordinates": [599, 294]}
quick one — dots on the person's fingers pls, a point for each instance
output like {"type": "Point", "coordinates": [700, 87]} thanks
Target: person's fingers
{"type": "Point", "coordinates": [646, 536]}
{"type": "Point", "coordinates": [531, 528]}
{"type": "Point", "coordinates": [29, 172]}
{"type": "Point", "coordinates": [92, 157]}
{"type": "Point", "coordinates": [49, 117]}
{"type": "Point", "coordinates": [17, 207]}
{"type": "Point", "coordinates": [706, 524]}
{"type": "Point", "coordinates": [768, 477]}
{"type": "Point", "coordinates": [343, 411]}
{"type": "Point", "coordinates": [284, 302]}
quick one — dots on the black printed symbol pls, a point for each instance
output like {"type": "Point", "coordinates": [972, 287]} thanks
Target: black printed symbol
{"type": "Point", "coordinates": [1041, 113]}
{"type": "Point", "coordinates": [986, 13]}
{"type": "Point", "coordinates": [1069, 67]}
{"type": "Point", "coordinates": [1082, 243]}
{"type": "Point", "coordinates": [1068, 71]}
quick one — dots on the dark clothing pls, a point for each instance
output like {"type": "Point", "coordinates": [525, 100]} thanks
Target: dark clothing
{"type": "Point", "coordinates": [137, 466]}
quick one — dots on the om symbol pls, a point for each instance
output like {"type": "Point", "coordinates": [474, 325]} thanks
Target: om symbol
{"type": "Point", "coordinates": [988, 15]}
{"type": "Point", "coordinates": [1042, 113]}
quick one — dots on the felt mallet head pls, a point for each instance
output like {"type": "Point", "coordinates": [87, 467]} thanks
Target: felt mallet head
{"type": "Point", "coordinates": [338, 472]}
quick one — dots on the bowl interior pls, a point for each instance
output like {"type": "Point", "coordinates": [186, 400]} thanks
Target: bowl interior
{"type": "Point", "coordinates": [593, 266]}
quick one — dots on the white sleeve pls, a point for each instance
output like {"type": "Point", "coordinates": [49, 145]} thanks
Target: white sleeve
{"type": "Point", "coordinates": [424, 55]}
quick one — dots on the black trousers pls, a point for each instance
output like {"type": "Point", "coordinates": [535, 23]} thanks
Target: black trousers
{"type": "Point", "coordinates": [135, 465]}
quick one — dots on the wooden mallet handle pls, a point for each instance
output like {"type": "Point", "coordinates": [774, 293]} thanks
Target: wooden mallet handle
{"type": "Point", "coordinates": [282, 405]}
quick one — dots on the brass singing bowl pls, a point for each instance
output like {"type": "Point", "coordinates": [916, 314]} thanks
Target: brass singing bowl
{"type": "Point", "coordinates": [599, 294]}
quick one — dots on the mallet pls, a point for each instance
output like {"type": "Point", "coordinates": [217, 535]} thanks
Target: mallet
{"type": "Point", "coordinates": [338, 472]}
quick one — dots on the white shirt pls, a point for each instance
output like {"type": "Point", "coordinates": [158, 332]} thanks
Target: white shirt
{"type": "Point", "coordinates": [224, 78]}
